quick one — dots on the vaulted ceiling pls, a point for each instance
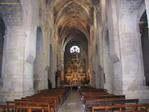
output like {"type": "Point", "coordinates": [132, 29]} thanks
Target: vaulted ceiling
{"type": "Point", "coordinates": [73, 16]}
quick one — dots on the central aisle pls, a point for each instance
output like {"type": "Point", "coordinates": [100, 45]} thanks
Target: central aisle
{"type": "Point", "coordinates": [72, 104]}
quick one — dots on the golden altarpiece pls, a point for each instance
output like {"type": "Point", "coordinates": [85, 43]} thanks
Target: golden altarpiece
{"type": "Point", "coordinates": [75, 67]}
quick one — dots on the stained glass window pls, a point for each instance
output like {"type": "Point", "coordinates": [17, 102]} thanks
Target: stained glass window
{"type": "Point", "coordinates": [75, 49]}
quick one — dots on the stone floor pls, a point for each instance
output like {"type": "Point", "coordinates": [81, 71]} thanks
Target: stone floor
{"type": "Point", "coordinates": [72, 104]}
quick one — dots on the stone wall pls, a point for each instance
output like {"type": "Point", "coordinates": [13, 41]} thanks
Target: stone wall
{"type": "Point", "coordinates": [20, 49]}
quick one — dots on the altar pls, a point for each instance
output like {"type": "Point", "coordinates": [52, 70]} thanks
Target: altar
{"type": "Point", "coordinates": [75, 69]}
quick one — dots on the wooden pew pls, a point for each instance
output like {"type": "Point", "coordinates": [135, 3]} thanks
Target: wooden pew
{"type": "Point", "coordinates": [119, 101]}
{"type": "Point", "coordinates": [123, 108]}
{"type": "Point", "coordinates": [90, 90]}
{"type": "Point", "coordinates": [52, 103]}
{"type": "Point", "coordinates": [59, 99]}
{"type": "Point", "coordinates": [91, 97]}
{"type": "Point", "coordinates": [47, 106]}
{"type": "Point", "coordinates": [40, 98]}
{"type": "Point", "coordinates": [61, 94]}
{"type": "Point", "coordinates": [53, 97]}
{"type": "Point", "coordinates": [95, 98]}
{"type": "Point", "coordinates": [49, 99]}
{"type": "Point", "coordinates": [16, 108]}
{"type": "Point", "coordinates": [93, 93]}
{"type": "Point", "coordinates": [102, 98]}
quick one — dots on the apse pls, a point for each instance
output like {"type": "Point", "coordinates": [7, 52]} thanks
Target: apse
{"type": "Point", "coordinates": [76, 59]}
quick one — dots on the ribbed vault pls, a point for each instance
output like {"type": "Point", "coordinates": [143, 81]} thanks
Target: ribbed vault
{"type": "Point", "coordinates": [73, 15]}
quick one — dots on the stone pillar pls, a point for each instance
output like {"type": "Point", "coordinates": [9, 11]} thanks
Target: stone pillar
{"type": "Point", "coordinates": [96, 71]}
{"type": "Point", "coordinates": [54, 65]}
{"type": "Point", "coordinates": [45, 78]}
{"type": "Point", "coordinates": [131, 58]}
{"type": "Point", "coordinates": [1, 53]}
{"type": "Point", "coordinates": [29, 57]}
{"type": "Point", "coordinates": [28, 79]}
{"type": "Point", "coordinates": [108, 64]}
{"type": "Point", "coordinates": [114, 41]}
{"type": "Point", "coordinates": [13, 66]}
{"type": "Point", "coordinates": [62, 65]}
{"type": "Point", "coordinates": [132, 67]}
{"type": "Point", "coordinates": [39, 72]}
{"type": "Point", "coordinates": [133, 80]}
{"type": "Point", "coordinates": [147, 11]}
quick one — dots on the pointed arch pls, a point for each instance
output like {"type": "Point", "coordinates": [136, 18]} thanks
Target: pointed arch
{"type": "Point", "coordinates": [39, 61]}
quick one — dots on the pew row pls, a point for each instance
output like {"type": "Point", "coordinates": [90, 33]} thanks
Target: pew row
{"type": "Point", "coordinates": [47, 100]}
{"type": "Point", "coordinates": [122, 108]}
{"type": "Point", "coordinates": [91, 97]}
{"type": "Point", "coordinates": [18, 108]}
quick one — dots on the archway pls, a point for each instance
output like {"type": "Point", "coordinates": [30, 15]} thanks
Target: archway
{"type": "Point", "coordinates": [39, 62]}
{"type": "Point", "coordinates": [145, 45]}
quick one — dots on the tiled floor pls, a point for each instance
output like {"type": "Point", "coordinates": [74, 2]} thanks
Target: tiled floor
{"type": "Point", "coordinates": [72, 104]}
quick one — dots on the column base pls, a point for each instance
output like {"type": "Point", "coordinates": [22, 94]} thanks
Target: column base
{"type": "Point", "coordinates": [11, 95]}
{"type": "Point", "coordinates": [141, 94]}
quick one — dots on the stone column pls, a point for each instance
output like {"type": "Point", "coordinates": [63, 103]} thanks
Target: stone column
{"type": "Point", "coordinates": [13, 64]}
{"type": "Point", "coordinates": [1, 54]}
{"type": "Point", "coordinates": [147, 11]}
{"type": "Point", "coordinates": [54, 65]}
{"type": "Point", "coordinates": [39, 72]}
{"type": "Point", "coordinates": [133, 80]}
{"type": "Point", "coordinates": [96, 71]}
{"type": "Point", "coordinates": [108, 64]}
{"type": "Point", "coordinates": [132, 67]}
{"type": "Point", "coordinates": [29, 57]}
{"type": "Point", "coordinates": [62, 64]}
{"type": "Point", "coordinates": [114, 44]}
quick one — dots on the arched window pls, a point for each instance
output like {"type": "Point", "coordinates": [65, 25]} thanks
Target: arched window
{"type": "Point", "coordinates": [75, 49]}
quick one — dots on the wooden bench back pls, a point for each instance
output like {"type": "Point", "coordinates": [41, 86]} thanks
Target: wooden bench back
{"type": "Point", "coordinates": [7, 108]}
{"type": "Point", "coordinates": [121, 108]}
{"type": "Point", "coordinates": [28, 103]}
